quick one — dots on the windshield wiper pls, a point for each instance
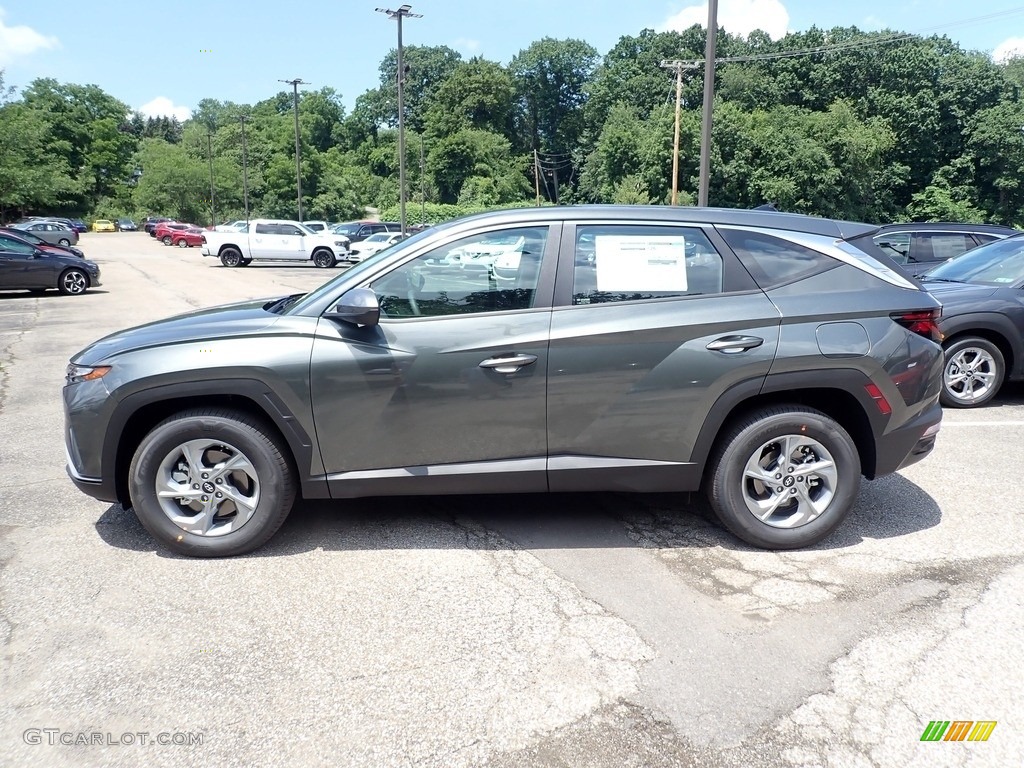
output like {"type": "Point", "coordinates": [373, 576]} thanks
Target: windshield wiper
{"type": "Point", "coordinates": [281, 305]}
{"type": "Point", "coordinates": [939, 279]}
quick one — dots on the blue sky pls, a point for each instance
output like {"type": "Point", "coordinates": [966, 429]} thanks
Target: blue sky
{"type": "Point", "coordinates": [169, 59]}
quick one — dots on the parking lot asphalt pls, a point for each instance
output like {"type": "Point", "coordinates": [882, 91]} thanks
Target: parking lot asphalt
{"type": "Point", "coordinates": [567, 630]}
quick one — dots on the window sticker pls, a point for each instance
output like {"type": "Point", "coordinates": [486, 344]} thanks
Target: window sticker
{"type": "Point", "coordinates": [640, 262]}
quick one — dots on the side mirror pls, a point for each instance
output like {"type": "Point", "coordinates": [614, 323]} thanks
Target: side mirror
{"type": "Point", "coordinates": [358, 306]}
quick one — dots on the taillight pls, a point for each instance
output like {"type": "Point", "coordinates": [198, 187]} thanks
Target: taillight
{"type": "Point", "coordinates": [923, 322]}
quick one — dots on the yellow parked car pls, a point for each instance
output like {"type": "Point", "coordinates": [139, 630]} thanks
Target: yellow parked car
{"type": "Point", "coordinates": [103, 225]}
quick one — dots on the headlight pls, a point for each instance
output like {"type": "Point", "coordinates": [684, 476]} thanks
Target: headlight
{"type": "Point", "coordinates": [78, 373]}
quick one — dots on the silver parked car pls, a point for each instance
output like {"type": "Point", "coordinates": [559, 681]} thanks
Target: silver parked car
{"type": "Point", "coordinates": [50, 231]}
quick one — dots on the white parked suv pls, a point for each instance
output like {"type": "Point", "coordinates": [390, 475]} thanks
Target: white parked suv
{"type": "Point", "coordinates": [275, 240]}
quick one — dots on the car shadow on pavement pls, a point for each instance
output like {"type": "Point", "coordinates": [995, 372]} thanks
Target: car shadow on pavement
{"type": "Point", "coordinates": [890, 507]}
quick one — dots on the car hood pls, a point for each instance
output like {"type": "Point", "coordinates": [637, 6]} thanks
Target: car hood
{"type": "Point", "coordinates": [228, 321]}
{"type": "Point", "coordinates": [957, 296]}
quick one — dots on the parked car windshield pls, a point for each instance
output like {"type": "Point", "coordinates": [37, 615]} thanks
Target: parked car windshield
{"type": "Point", "coordinates": [998, 263]}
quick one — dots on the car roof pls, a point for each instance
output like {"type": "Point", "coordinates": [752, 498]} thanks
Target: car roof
{"type": "Point", "coordinates": [794, 222]}
{"type": "Point", "coordinates": [948, 226]}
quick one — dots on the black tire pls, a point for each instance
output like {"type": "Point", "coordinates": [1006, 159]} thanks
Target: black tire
{"type": "Point", "coordinates": [64, 241]}
{"type": "Point", "coordinates": [728, 488]}
{"type": "Point", "coordinates": [182, 243]}
{"type": "Point", "coordinates": [971, 349]}
{"type": "Point", "coordinates": [324, 258]}
{"type": "Point", "coordinates": [166, 239]}
{"type": "Point", "coordinates": [231, 257]}
{"type": "Point", "coordinates": [73, 282]}
{"type": "Point", "coordinates": [264, 450]}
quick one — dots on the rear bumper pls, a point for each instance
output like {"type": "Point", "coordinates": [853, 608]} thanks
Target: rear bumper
{"type": "Point", "coordinates": [908, 444]}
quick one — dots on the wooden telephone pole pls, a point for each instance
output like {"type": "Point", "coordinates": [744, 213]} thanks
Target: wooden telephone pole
{"type": "Point", "coordinates": [678, 66]}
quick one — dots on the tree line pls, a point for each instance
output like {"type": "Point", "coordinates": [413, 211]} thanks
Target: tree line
{"type": "Point", "coordinates": [867, 126]}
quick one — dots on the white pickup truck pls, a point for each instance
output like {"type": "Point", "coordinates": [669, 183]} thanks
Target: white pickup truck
{"type": "Point", "coordinates": [275, 240]}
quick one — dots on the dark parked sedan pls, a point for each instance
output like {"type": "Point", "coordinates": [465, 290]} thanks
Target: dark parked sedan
{"type": "Point", "coordinates": [982, 295]}
{"type": "Point", "coordinates": [50, 231]}
{"type": "Point", "coordinates": [918, 246]}
{"type": "Point", "coordinates": [125, 225]}
{"type": "Point", "coordinates": [24, 266]}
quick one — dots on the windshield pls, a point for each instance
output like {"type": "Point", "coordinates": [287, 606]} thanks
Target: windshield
{"type": "Point", "coordinates": [345, 229]}
{"type": "Point", "coordinates": [367, 265]}
{"type": "Point", "coordinates": [380, 237]}
{"type": "Point", "coordinates": [998, 263]}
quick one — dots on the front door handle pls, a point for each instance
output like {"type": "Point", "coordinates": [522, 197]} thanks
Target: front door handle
{"type": "Point", "coordinates": [509, 364]}
{"type": "Point", "coordinates": [730, 345]}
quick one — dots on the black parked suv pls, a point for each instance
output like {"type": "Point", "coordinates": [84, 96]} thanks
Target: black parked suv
{"type": "Point", "coordinates": [759, 356]}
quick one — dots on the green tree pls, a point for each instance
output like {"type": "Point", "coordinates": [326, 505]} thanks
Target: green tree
{"type": "Point", "coordinates": [477, 94]}
{"type": "Point", "coordinates": [428, 67]}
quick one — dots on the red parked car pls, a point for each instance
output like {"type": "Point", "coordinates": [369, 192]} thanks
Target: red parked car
{"type": "Point", "coordinates": [165, 230]}
{"type": "Point", "coordinates": [187, 238]}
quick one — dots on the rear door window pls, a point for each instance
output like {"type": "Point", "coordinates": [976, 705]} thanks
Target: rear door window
{"type": "Point", "coordinates": [895, 245]}
{"type": "Point", "coordinates": [615, 263]}
{"type": "Point", "coordinates": [939, 246]}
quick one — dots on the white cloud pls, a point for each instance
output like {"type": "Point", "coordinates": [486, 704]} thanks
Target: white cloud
{"type": "Point", "coordinates": [873, 22]}
{"type": "Point", "coordinates": [161, 105]}
{"type": "Point", "coordinates": [738, 17]}
{"type": "Point", "coordinates": [21, 41]}
{"type": "Point", "coordinates": [467, 44]}
{"type": "Point", "coordinates": [1010, 48]}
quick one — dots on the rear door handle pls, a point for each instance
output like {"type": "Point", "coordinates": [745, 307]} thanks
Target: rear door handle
{"type": "Point", "coordinates": [509, 364]}
{"type": "Point", "coordinates": [730, 345]}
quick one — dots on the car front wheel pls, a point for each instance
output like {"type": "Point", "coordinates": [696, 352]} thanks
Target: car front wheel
{"type": "Point", "coordinates": [64, 241]}
{"type": "Point", "coordinates": [973, 372]}
{"type": "Point", "coordinates": [211, 483]}
{"type": "Point", "coordinates": [182, 243]}
{"type": "Point", "coordinates": [784, 477]}
{"type": "Point", "coordinates": [73, 282]}
{"type": "Point", "coordinates": [324, 259]}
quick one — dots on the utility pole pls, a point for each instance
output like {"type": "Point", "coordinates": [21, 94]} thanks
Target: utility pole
{"type": "Point", "coordinates": [423, 185]}
{"type": "Point", "coordinates": [536, 175]}
{"type": "Point", "coordinates": [209, 156]}
{"type": "Point", "coordinates": [678, 66]}
{"type": "Point", "coordinates": [245, 167]}
{"type": "Point", "coordinates": [709, 103]}
{"type": "Point", "coordinates": [404, 11]}
{"type": "Point", "coordinates": [298, 152]}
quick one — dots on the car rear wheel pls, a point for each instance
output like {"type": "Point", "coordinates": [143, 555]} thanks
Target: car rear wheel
{"type": "Point", "coordinates": [166, 239]}
{"type": "Point", "coordinates": [784, 477]}
{"type": "Point", "coordinates": [231, 257]}
{"type": "Point", "coordinates": [973, 372]}
{"type": "Point", "coordinates": [324, 259]}
{"type": "Point", "coordinates": [73, 282]}
{"type": "Point", "coordinates": [211, 483]}
{"type": "Point", "coordinates": [64, 241]}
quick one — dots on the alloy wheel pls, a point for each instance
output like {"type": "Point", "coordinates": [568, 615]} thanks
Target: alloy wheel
{"type": "Point", "coordinates": [207, 487]}
{"type": "Point", "coordinates": [789, 481]}
{"type": "Point", "coordinates": [969, 374]}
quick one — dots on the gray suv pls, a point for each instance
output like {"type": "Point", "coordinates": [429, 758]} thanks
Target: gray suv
{"type": "Point", "coordinates": [759, 356]}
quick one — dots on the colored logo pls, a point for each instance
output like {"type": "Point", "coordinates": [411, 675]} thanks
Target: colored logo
{"type": "Point", "coordinates": [958, 730]}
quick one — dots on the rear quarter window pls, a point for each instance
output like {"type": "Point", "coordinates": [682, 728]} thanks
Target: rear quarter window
{"type": "Point", "coordinates": [775, 261]}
